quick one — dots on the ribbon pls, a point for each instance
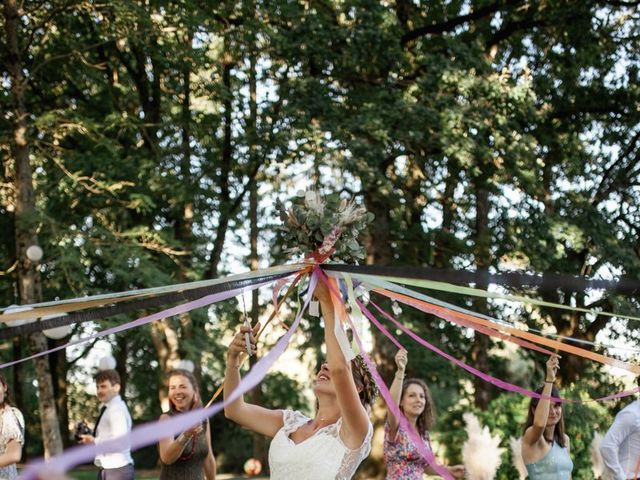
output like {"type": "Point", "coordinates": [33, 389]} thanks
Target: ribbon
{"type": "Point", "coordinates": [476, 292]}
{"type": "Point", "coordinates": [152, 432]}
{"type": "Point", "coordinates": [474, 371]}
{"type": "Point", "coordinates": [450, 315]}
{"type": "Point", "coordinates": [392, 286]}
{"type": "Point", "coordinates": [454, 313]}
{"type": "Point", "coordinates": [546, 281]}
{"type": "Point", "coordinates": [64, 306]}
{"type": "Point", "coordinates": [209, 299]}
{"type": "Point", "coordinates": [243, 357]}
{"type": "Point", "coordinates": [425, 451]}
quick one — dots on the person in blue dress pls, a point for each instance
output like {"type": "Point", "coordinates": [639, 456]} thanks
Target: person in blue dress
{"type": "Point", "coordinates": [545, 446]}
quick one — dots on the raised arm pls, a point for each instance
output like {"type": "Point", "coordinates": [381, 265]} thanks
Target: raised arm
{"type": "Point", "coordinates": [355, 421]}
{"type": "Point", "coordinates": [401, 359]}
{"type": "Point", "coordinates": [254, 417]}
{"type": "Point", "coordinates": [534, 432]}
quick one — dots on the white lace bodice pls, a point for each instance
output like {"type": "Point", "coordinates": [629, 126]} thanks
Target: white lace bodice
{"type": "Point", "coordinates": [323, 456]}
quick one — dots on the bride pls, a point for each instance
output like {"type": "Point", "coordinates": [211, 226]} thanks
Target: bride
{"type": "Point", "coordinates": [338, 438]}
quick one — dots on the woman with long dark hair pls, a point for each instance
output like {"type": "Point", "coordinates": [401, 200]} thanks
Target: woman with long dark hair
{"type": "Point", "coordinates": [188, 456]}
{"type": "Point", "coordinates": [402, 457]}
{"type": "Point", "coordinates": [11, 434]}
{"type": "Point", "coordinates": [545, 446]}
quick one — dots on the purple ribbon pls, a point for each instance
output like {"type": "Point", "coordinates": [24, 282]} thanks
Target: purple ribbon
{"type": "Point", "coordinates": [151, 432]}
{"type": "Point", "coordinates": [185, 307]}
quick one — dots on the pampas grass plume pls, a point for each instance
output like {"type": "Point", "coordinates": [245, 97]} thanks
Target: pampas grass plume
{"type": "Point", "coordinates": [515, 444]}
{"type": "Point", "coordinates": [107, 363]}
{"type": "Point", "coordinates": [481, 452]}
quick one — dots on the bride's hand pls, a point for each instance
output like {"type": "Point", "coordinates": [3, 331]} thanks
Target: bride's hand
{"type": "Point", "coordinates": [238, 345]}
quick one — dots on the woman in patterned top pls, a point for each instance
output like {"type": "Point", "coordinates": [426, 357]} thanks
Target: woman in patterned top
{"type": "Point", "coordinates": [333, 443]}
{"type": "Point", "coordinates": [11, 435]}
{"type": "Point", "coordinates": [402, 457]}
{"type": "Point", "coordinates": [188, 456]}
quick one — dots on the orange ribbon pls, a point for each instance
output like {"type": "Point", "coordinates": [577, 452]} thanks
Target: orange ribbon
{"type": "Point", "coordinates": [499, 329]}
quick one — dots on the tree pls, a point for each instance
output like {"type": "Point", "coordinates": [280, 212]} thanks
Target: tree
{"type": "Point", "coordinates": [28, 277]}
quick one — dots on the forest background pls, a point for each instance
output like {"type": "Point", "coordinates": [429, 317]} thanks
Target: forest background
{"type": "Point", "coordinates": [144, 143]}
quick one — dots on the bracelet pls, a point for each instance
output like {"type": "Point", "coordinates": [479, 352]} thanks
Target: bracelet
{"type": "Point", "coordinates": [235, 365]}
{"type": "Point", "coordinates": [399, 377]}
{"type": "Point", "coordinates": [549, 381]}
{"type": "Point", "coordinates": [182, 439]}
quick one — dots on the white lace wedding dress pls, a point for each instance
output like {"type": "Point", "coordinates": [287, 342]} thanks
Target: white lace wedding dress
{"type": "Point", "coordinates": [323, 456]}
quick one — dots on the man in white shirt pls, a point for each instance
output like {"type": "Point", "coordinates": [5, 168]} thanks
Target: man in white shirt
{"type": "Point", "coordinates": [114, 421]}
{"type": "Point", "coordinates": [620, 447]}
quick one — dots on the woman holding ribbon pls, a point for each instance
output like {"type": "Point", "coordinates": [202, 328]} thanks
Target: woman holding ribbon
{"type": "Point", "coordinates": [545, 446]}
{"type": "Point", "coordinates": [188, 456]}
{"type": "Point", "coordinates": [338, 438]}
{"type": "Point", "coordinates": [402, 457]}
{"type": "Point", "coordinates": [11, 434]}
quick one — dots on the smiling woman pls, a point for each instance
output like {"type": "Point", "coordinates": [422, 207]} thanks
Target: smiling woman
{"type": "Point", "coordinates": [338, 439]}
{"type": "Point", "coordinates": [545, 446]}
{"type": "Point", "coordinates": [402, 457]}
{"type": "Point", "coordinates": [188, 456]}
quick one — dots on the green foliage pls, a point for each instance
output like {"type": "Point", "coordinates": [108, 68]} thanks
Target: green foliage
{"type": "Point", "coordinates": [324, 222]}
{"type": "Point", "coordinates": [144, 137]}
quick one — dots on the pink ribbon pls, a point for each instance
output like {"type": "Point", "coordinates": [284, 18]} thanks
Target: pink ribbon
{"type": "Point", "coordinates": [419, 443]}
{"type": "Point", "coordinates": [151, 432]}
{"type": "Point", "coordinates": [474, 371]}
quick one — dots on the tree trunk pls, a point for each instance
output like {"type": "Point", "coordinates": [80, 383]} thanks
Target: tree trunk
{"type": "Point", "coordinates": [28, 274]}
{"type": "Point", "coordinates": [379, 250]}
{"type": "Point", "coordinates": [165, 340]}
{"type": "Point", "coordinates": [59, 369]}
{"type": "Point", "coordinates": [225, 167]}
{"type": "Point", "coordinates": [443, 250]}
{"type": "Point", "coordinates": [482, 254]}
{"type": "Point", "coordinates": [185, 213]}
{"type": "Point", "coordinates": [121, 355]}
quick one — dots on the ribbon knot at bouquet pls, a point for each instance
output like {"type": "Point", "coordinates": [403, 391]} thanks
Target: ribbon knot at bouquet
{"type": "Point", "coordinates": [323, 227]}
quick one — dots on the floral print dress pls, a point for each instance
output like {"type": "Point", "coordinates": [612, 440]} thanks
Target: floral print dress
{"type": "Point", "coordinates": [11, 428]}
{"type": "Point", "coordinates": [402, 457]}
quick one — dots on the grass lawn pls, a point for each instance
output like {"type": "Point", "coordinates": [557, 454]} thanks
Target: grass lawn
{"type": "Point", "coordinates": [89, 474]}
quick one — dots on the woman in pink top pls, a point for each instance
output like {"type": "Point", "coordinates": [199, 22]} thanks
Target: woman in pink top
{"type": "Point", "coordinates": [402, 457]}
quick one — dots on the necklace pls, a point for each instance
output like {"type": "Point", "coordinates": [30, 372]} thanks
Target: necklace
{"type": "Point", "coordinates": [187, 456]}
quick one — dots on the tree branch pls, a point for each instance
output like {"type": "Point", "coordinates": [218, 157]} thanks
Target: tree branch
{"type": "Point", "coordinates": [450, 24]}
{"type": "Point", "coordinates": [67, 55]}
{"type": "Point", "coordinates": [606, 184]}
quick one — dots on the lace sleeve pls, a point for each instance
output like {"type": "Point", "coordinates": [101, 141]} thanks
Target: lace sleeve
{"type": "Point", "coordinates": [292, 420]}
{"type": "Point", "coordinates": [353, 458]}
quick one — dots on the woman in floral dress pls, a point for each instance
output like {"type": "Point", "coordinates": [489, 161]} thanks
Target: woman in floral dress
{"type": "Point", "coordinates": [11, 435]}
{"type": "Point", "coordinates": [402, 457]}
